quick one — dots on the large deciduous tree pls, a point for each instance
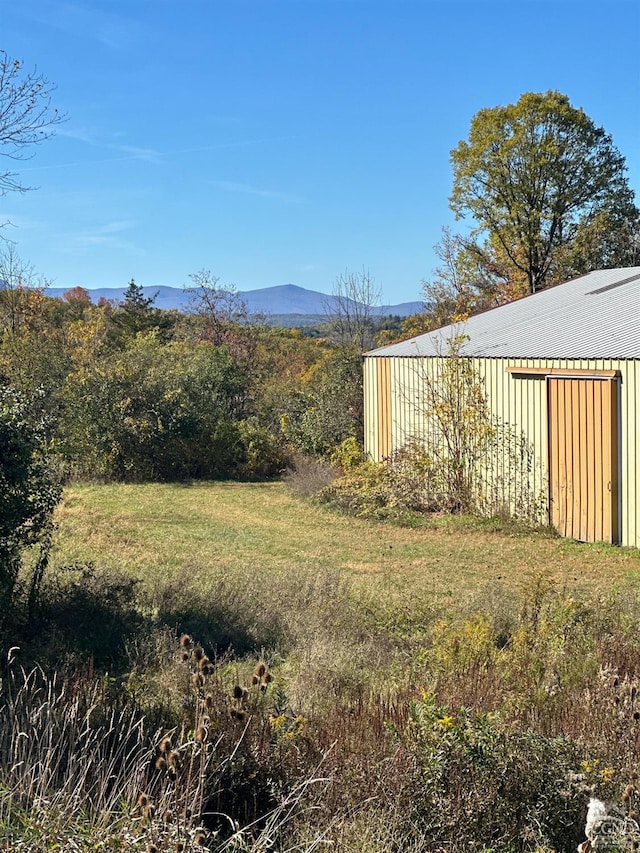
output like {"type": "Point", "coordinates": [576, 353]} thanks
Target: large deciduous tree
{"type": "Point", "coordinates": [26, 115]}
{"type": "Point", "coordinates": [547, 190]}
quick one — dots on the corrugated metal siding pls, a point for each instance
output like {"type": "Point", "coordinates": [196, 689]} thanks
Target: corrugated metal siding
{"type": "Point", "coordinates": [520, 401]}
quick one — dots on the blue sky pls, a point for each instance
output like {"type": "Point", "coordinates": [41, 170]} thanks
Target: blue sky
{"type": "Point", "coordinates": [285, 141]}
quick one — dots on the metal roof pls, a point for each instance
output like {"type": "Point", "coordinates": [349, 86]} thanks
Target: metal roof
{"type": "Point", "coordinates": [594, 316]}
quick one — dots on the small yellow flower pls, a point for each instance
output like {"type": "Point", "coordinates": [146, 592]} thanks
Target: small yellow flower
{"type": "Point", "coordinates": [277, 722]}
{"type": "Point", "coordinates": [445, 723]}
{"type": "Point", "coordinates": [607, 774]}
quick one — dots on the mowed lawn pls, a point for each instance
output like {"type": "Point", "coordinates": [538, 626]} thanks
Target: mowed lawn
{"type": "Point", "coordinates": [209, 530]}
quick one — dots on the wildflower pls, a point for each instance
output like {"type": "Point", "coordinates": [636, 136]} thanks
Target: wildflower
{"type": "Point", "coordinates": [445, 723]}
{"type": "Point", "coordinates": [607, 774]}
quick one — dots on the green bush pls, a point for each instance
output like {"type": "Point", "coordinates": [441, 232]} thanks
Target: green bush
{"type": "Point", "coordinates": [480, 783]}
{"type": "Point", "coordinates": [262, 455]}
{"type": "Point", "coordinates": [29, 494]}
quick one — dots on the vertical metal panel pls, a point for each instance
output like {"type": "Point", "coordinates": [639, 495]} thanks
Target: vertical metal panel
{"type": "Point", "coordinates": [383, 385]}
{"type": "Point", "coordinates": [614, 468]}
{"type": "Point", "coordinates": [370, 408]}
{"type": "Point", "coordinates": [599, 474]}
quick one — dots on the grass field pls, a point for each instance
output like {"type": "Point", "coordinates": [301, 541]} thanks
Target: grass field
{"type": "Point", "coordinates": [215, 529]}
{"type": "Point", "coordinates": [458, 685]}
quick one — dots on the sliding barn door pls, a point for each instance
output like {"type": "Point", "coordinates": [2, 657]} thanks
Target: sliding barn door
{"type": "Point", "coordinates": [583, 457]}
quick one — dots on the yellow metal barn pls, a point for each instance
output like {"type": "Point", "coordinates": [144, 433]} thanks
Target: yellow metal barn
{"type": "Point", "coordinates": [561, 368]}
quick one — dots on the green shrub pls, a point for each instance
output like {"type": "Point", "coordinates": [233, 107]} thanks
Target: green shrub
{"type": "Point", "coordinates": [29, 494]}
{"type": "Point", "coordinates": [480, 783]}
{"type": "Point", "coordinates": [262, 455]}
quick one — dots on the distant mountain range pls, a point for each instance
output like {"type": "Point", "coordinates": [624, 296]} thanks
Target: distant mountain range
{"type": "Point", "coordinates": [282, 300]}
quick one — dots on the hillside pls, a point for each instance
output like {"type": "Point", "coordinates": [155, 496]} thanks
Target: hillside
{"type": "Point", "coordinates": [283, 299]}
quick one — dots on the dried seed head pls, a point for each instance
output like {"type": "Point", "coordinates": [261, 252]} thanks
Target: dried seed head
{"type": "Point", "coordinates": [165, 744]}
{"type": "Point", "coordinates": [201, 734]}
{"type": "Point", "coordinates": [199, 838]}
{"type": "Point", "coordinates": [161, 763]}
{"type": "Point", "coordinates": [172, 758]}
{"type": "Point", "coordinates": [151, 848]}
{"type": "Point", "coordinates": [237, 691]}
{"type": "Point", "coordinates": [255, 679]}
{"type": "Point", "coordinates": [198, 653]}
{"type": "Point", "coordinates": [208, 701]}
{"type": "Point", "coordinates": [204, 662]}
{"type": "Point", "coordinates": [263, 687]}
{"type": "Point", "coordinates": [167, 817]}
{"type": "Point", "coordinates": [171, 773]}
{"type": "Point", "coordinates": [197, 679]}
{"type": "Point", "coordinates": [267, 677]}
{"type": "Point", "coordinates": [179, 846]}
{"type": "Point", "coordinates": [185, 641]}
{"type": "Point", "coordinates": [184, 656]}
{"type": "Point", "coordinates": [636, 716]}
{"type": "Point", "coordinates": [209, 669]}
{"type": "Point", "coordinates": [260, 670]}
{"type": "Point", "coordinates": [239, 715]}
{"type": "Point", "coordinates": [148, 812]}
{"type": "Point", "coordinates": [143, 800]}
